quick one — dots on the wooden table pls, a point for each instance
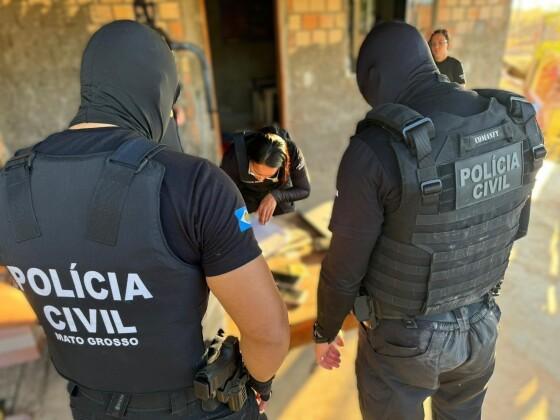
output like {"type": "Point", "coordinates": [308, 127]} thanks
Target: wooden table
{"type": "Point", "coordinates": [14, 309]}
{"type": "Point", "coordinates": [303, 317]}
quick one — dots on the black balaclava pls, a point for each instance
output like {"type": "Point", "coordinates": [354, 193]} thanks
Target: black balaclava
{"type": "Point", "coordinates": [128, 78]}
{"type": "Point", "coordinates": [393, 59]}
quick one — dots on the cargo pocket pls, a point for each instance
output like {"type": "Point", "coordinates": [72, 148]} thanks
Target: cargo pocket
{"type": "Point", "coordinates": [392, 339]}
{"type": "Point", "coordinates": [411, 355]}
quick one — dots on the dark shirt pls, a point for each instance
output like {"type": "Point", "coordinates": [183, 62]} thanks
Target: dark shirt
{"type": "Point", "coordinates": [368, 187]}
{"type": "Point", "coordinates": [453, 69]}
{"type": "Point", "coordinates": [197, 201]}
{"type": "Point", "coordinates": [298, 174]}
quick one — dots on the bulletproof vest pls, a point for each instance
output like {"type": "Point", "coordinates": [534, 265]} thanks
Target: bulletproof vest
{"type": "Point", "coordinates": [465, 182]}
{"type": "Point", "coordinates": [254, 191]}
{"type": "Point", "coordinates": [82, 237]}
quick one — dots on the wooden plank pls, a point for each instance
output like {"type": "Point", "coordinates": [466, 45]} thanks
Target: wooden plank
{"type": "Point", "coordinates": [283, 234]}
{"type": "Point", "coordinates": [17, 345]}
{"type": "Point", "coordinates": [280, 29]}
{"type": "Point", "coordinates": [214, 114]}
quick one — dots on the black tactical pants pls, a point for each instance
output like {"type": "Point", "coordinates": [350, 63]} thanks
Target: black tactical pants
{"type": "Point", "coordinates": [87, 405]}
{"type": "Point", "coordinates": [449, 357]}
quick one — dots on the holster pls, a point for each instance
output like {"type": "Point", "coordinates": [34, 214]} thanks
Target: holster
{"type": "Point", "coordinates": [222, 378]}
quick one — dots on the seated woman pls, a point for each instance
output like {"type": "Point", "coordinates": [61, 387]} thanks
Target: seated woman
{"type": "Point", "coordinates": [269, 170]}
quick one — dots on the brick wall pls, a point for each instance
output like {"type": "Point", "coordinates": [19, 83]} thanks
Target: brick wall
{"type": "Point", "coordinates": [42, 42]}
{"type": "Point", "coordinates": [477, 29]}
{"type": "Point", "coordinates": [323, 101]}
{"type": "Point", "coordinates": [315, 22]}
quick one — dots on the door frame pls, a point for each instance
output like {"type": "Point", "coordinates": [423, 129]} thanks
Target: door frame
{"type": "Point", "coordinates": [280, 42]}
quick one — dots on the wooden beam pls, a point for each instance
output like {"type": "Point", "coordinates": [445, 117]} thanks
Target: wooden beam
{"type": "Point", "coordinates": [214, 115]}
{"type": "Point", "coordinates": [281, 61]}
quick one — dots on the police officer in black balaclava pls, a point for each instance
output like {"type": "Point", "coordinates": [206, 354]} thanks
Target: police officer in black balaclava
{"type": "Point", "coordinates": [115, 243]}
{"type": "Point", "coordinates": [432, 191]}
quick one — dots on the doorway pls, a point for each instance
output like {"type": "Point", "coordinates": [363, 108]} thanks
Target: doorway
{"type": "Point", "coordinates": [244, 63]}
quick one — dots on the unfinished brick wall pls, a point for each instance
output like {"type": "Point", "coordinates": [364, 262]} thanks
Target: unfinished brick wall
{"type": "Point", "coordinates": [42, 42]}
{"type": "Point", "coordinates": [420, 14]}
{"type": "Point", "coordinates": [315, 22]}
{"type": "Point", "coordinates": [477, 29]}
{"type": "Point", "coordinates": [323, 101]}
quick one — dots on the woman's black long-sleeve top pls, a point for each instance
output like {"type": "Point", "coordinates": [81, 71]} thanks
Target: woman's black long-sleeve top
{"type": "Point", "coordinates": [297, 187]}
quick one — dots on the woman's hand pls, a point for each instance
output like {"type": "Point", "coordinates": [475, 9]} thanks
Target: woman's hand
{"type": "Point", "coordinates": [266, 209]}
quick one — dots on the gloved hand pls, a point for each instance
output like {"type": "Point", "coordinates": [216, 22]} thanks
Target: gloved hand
{"type": "Point", "coordinates": [263, 391]}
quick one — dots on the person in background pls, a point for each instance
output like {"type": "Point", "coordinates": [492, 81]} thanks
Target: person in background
{"type": "Point", "coordinates": [450, 66]}
{"type": "Point", "coordinates": [269, 170]}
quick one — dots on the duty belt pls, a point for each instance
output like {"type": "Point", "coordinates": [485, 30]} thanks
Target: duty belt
{"type": "Point", "coordinates": [365, 313]}
{"type": "Point", "coordinates": [117, 404]}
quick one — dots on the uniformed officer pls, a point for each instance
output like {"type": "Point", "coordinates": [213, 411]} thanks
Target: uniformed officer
{"type": "Point", "coordinates": [433, 189]}
{"type": "Point", "coordinates": [116, 241]}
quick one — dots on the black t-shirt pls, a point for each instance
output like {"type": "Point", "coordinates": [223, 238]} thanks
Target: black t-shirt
{"type": "Point", "coordinates": [453, 69]}
{"type": "Point", "coordinates": [197, 201]}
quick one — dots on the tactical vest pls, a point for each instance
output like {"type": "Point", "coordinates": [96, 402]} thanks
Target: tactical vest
{"type": "Point", "coordinates": [465, 182]}
{"type": "Point", "coordinates": [253, 191]}
{"type": "Point", "coordinates": [82, 237]}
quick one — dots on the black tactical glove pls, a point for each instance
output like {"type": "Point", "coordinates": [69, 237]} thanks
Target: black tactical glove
{"type": "Point", "coordinates": [264, 389]}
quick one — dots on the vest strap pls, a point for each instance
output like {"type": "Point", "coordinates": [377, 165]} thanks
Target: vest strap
{"type": "Point", "coordinates": [523, 113]}
{"type": "Point", "coordinates": [20, 201]}
{"type": "Point", "coordinates": [112, 188]}
{"type": "Point", "coordinates": [416, 131]}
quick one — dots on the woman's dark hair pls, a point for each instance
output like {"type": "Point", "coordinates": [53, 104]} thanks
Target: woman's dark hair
{"type": "Point", "coordinates": [274, 129]}
{"type": "Point", "coordinates": [269, 149]}
{"type": "Point", "coordinates": [440, 31]}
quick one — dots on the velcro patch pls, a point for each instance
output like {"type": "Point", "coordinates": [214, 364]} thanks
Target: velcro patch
{"type": "Point", "coordinates": [489, 175]}
{"type": "Point", "coordinates": [482, 138]}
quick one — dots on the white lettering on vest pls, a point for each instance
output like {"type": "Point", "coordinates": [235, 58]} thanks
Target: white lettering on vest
{"type": "Point", "coordinates": [486, 137]}
{"type": "Point", "coordinates": [18, 275]}
{"type": "Point", "coordinates": [89, 277]}
{"type": "Point", "coordinates": [135, 287]}
{"type": "Point", "coordinates": [32, 274]}
{"type": "Point", "coordinates": [60, 292]}
{"type": "Point", "coordinates": [49, 310]}
{"type": "Point", "coordinates": [121, 329]}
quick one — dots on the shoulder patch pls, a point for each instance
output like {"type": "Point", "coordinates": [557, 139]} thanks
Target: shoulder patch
{"type": "Point", "coordinates": [243, 218]}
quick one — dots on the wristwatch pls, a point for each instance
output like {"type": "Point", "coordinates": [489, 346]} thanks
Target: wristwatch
{"type": "Point", "coordinates": [318, 336]}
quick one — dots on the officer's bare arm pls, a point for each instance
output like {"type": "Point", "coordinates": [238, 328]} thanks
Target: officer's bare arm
{"type": "Point", "coordinates": [249, 295]}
